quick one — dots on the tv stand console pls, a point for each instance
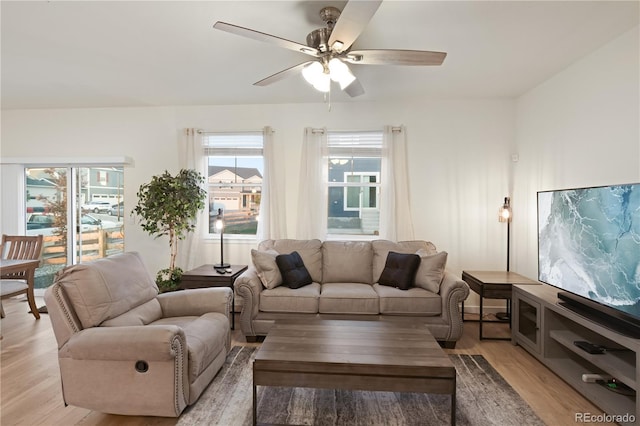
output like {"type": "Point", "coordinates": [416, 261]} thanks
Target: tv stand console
{"type": "Point", "coordinates": [548, 331]}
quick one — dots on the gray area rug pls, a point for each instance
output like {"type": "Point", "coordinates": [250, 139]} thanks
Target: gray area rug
{"type": "Point", "coordinates": [483, 398]}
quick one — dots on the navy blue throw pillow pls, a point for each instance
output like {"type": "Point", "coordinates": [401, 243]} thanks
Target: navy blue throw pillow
{"type": "Point", "coordinates": [294, 273]}
{"type": "Point", "coordinates": [400, 270]}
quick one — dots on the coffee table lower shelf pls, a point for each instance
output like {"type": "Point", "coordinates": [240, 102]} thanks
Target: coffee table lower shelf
{"type": "Point", "coordinates": [355, 355]}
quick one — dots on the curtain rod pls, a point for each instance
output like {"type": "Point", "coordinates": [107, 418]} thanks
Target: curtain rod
{"type": "Point", "coordinates": [393, 129]}
{"type": "Point", "coordinates": [204, 132]}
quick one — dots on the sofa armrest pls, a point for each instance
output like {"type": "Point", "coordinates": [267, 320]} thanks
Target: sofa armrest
{"type": "Point", "coordinates": [249, 286]}
{"type": "Point", "coordinates": [131, 343]}
{"type": "Point", "coordinates": [196, 302]}
{"type": "Point", "coordinates": [453, 291]}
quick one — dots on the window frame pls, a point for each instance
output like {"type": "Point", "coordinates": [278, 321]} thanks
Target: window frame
{"type": "Point", "coordinates": [360, 184]}
{"type": "Point", "coordinates": [363, 145]}
{"type": "Point", "coordinates": [221, 145]}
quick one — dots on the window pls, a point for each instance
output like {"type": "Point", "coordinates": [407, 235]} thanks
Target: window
{"type": "Point", "coordinates": [234, 175]}
{"type": "Point", "coordinates": [103, 177]}
{"type": "Point", "coordinates": [354, 182]}
{"type": "Point", "coordinates": [99, 229]}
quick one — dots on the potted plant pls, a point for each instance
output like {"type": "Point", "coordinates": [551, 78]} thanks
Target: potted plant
{"type": "Point", "coordinates": [168, 205]}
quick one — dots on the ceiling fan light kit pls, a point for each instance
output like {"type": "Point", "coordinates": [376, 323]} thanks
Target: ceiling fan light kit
{"type": "Point", "coordinates": [331, 48]}
{"type": "Point", "coordinates": [320, 75]}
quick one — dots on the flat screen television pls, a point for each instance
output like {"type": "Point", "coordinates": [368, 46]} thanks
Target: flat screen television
{"type": "Point", "coordinates": [589, 247]}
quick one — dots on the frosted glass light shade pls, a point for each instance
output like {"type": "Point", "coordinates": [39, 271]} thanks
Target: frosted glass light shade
{"type": "Point", "coordinates": [315, 75]}
{"type": "Point", "coordinates": [312, 72]}
{"type": "Point", "coordinates": [340, 73]}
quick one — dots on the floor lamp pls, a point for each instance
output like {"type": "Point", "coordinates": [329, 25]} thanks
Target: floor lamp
{"type": "Point", "coordinates": [504, 215]}
{"type": "Point", "coordinates": [220, 228]}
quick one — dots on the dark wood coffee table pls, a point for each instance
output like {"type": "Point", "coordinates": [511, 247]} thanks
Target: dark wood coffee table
{"type": "Point", "coordinates": [358, 355]}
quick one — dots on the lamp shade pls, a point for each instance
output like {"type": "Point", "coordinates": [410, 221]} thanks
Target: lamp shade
{"type": "Point", "coordinates": [340, 73]}
{"type": "Point", "coordinates": [312, 71]}
{"type": "Point", "coordinates": [323, 83]}
{"type": "Point", "coordinates": [315, 75]}
{"type": "Point", "coordinates": [504, 212]}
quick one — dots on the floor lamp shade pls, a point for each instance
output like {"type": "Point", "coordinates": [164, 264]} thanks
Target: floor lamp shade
{"type": "Point", "coordinates": [220, 228]}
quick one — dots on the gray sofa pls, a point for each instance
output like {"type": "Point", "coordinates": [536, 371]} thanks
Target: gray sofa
{"type": "Point", "coordinates": [345, 285]}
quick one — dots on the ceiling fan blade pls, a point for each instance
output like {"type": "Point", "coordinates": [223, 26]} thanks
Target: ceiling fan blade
{"type": "Point", "coordinates": [354, 89]}
{"type": "Point", "coordinates": [354, 18]}
{"type": "Point", "coordinates": [267, 38]}
{"type": "Point", "coordinates": [395, 57]}
{"type": "Point", "coordinates": [282, 74]}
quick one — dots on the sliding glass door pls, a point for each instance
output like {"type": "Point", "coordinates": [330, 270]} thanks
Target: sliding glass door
{"type": "Point", "coordinates": [88, 198]}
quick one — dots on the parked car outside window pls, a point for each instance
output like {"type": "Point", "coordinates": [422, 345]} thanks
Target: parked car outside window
{"type": "Point", "coordinates": [96, 207]}
{"type": "Point", "coordinates": [42, 223]}
{"type": "Point", "coordinates": [117, 209]}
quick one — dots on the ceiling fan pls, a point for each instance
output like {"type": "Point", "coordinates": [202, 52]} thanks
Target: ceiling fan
{"type": "Point", "coordinates": [330, 48]}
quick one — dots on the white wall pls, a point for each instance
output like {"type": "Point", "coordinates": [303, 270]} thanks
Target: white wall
{"type": "Point", "coordinates": [458, 160]}
{"type": "Point", "coordinates": [579, 128]}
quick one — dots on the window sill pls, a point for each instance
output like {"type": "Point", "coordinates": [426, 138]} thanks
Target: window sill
{"type": "Point", "coordinates": [232, 238]}
{"type": "Point", "coordinates": [351, 237]}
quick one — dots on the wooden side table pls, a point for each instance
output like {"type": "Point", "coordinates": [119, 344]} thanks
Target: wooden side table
{"type": "Point", "coordinates": [493, 285]}
{"type": "Point", "coordinates": [206, 276]}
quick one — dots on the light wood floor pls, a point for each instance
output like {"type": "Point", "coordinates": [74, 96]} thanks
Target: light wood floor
{"type": "Point", "coordinates": [31, 394]}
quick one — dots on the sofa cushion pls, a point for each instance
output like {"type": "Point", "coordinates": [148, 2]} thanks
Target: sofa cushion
{"type": "Point", "coordinates": [267, 268]}
{"type": "Point", "coordinates": [285, 299]}
{"type": "Point", "coordinates": [294, 273]}
{"type": "Point", "coordinates": [347, 262]}
{"type": "Point", "coordinates": [309, 250]}
{"type": "Point", "coordinates": [348, 298]}
{"type": "Point", "coordinates": [108, 287]}
{"type": "Point", "coordinates": [206, 336]}
{"type": "Point", "coordinates": [415, 301]}
{"type": "Point", "coordinates": [431, 270]}
{"type": "Point", "coordinates": [400, 270]}
{"type": "Point", "coordinates": [140, 315]}
{"type": "Point", "coordinates": [382, 247]}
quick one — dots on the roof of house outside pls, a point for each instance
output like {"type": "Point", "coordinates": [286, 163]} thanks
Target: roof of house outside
{"type": "Point", "coordinates": [243, 172]}
{"type": "Point", "coordinates": [39, 182]}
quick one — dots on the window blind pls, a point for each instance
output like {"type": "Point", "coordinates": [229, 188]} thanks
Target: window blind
{"type": "Point", "coordinates": [360, 144]}
{"type": "Point", "coordinates": [233, 144]}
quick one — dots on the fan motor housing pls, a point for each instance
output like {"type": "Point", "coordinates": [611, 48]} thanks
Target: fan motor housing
{"type": "Point", "coordinates": [319, 39]}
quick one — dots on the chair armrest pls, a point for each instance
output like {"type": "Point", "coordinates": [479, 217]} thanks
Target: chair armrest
{"type": "Point", "coordinates": [451, 283]}
{"type": "Point", "coordinates": [249, 286]}
{"type": "Point", "coordinates": [453, 291]}
{"type": "Point", "coordinates": [130, 343]}
{"type": "Point", "coordinates": [196, 302]}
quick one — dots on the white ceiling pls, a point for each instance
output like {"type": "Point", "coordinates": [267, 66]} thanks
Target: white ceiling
{"type": "Point", "coordinates": [67, 54]}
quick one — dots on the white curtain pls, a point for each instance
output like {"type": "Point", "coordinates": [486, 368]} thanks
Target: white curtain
{"type": "Point", "coordinates": [312, 200]}
{"type": "Point", "coordinates": [191, 156]}
{"type": "Point", "coordinates": [272, 220]}
{"type": "Point", "coordinates": [395, 211]}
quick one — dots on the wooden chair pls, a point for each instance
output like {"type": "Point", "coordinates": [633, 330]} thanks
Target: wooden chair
{"type": "Point", "coordinates": [19, 247]}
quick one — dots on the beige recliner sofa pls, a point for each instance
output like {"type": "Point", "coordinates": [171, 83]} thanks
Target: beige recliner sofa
{"type": "Point", "coordinates": [125, 349]}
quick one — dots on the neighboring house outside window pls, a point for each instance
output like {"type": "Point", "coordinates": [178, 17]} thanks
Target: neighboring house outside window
{"type": "Point", "coordinates": [354, 182]}
{"type": "Point", "coordinates": [234, 176]}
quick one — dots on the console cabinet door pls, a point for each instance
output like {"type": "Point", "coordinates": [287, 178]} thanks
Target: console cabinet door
{"type": "Point", "coordinates": [527, 322]}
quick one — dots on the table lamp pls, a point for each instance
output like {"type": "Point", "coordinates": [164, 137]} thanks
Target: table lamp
{"type": "Point", "coordinates": [220, 227]}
